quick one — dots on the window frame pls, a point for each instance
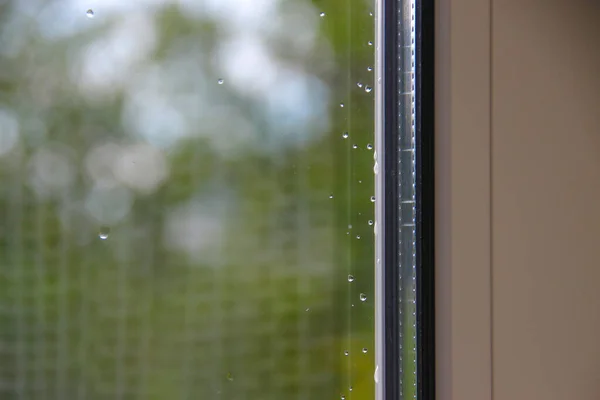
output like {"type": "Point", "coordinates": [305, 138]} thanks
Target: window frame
{"type": "Point", "coordinates": [388, 335]}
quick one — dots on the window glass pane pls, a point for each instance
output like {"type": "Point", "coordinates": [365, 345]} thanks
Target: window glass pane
{"type": "Point", "coordinates": [187, 199]}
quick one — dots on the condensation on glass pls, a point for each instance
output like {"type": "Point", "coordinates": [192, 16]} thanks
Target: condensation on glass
{"type": "Point", "coordinates": [186, 199]}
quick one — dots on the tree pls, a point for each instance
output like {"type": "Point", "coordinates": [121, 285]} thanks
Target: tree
{"type": "Point", "coordinates": [186, 186]}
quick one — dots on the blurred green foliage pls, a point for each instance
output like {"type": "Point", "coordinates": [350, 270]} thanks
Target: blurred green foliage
{"type": "Point", "coordinates": [251, 300]}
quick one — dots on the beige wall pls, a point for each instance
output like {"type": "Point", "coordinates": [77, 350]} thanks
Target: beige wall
{"type": "Point", "coordinates": [463, 199]}
{"type": "Point", "coordinates": [518, 146]}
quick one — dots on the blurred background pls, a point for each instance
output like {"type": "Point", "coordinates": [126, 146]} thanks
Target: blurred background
{"type": "Point", "coordinates": [186, 204]}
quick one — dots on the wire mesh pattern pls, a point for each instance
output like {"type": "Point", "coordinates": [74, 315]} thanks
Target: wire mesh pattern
{"type": "Point", "coordinates": [89, 326]}
{"type": "Point", "coordinates": [179, 209]}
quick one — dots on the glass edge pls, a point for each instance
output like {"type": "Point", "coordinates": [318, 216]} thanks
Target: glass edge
{"type": "Point", "coordinates": [379, 195]}
{"type": "Point", "coordinates": [424, 96]}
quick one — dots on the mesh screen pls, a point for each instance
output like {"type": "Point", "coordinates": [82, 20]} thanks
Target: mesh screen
{"type": "Point", "coordinates": [185, 199]}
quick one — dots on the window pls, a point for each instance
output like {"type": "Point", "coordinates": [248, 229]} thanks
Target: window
{"type": "Point", "coordinates": [404, 254]}
{"type": "Point", "coordinates": [189, 205]}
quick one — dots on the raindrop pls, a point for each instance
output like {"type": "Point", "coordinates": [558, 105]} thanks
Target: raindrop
{"type": "Point", "coordinates": [376, 374]}
{"type": "Point", "coordinates": [370, 146]}
{"type": "Point", "coordinates": [370, 43]}
{"type": "Point", "coordinates": [369, 69]}
{"type": "Point", "coordinates": [370, 222]}
{"type": "Point", "coordinates": [363, 297]}
{"type": "Point", "coordinates": [345, 135]}
{"type": "Point", "coordinates": [350, 278]}
{"type": "Point", "coordinates": [359, 84]}
{"type": "Point", "coordinates": [308, 309]}
{"type": "Point", "coordinates": [331, 196]}
{"type": "Point", "coordinates": [354, 146]}
{"type": "Point", "coordinates": [370, 14]}
{"type": "Point", "coordinates": [346, 352]}
{"type": "Point", "coordinates": [342, 397]}
{"type": "Point", "coordinates": [220, 81]}
{"type": "Point", "coordinates": [358, 237]}
{"type": "Point", "coordinates": [350, 389]}
{"type": "Point", "coordinates": [90, 13]}
{"type": "Point", "coordinates": [376, 168]}
{"type": "Point", "coordinates": [350, 226]}
{"type": "Point", "coordinates": [104, 232]}
{"type": "Point", "coordinates": [230, 377]}
{"type": "Point", "coordinates": [368, 89]}
{"type": "Point", "coordinates": [372, 199]}
{"type": "Point", "coordinates": [364, 350]}
{"type": "Point", "coordinates": [322, 14]}
{"type": "Point", "coordinates": [342, 105]}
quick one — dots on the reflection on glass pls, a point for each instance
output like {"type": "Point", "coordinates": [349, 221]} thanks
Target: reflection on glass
{"type": "Point", "coordinates": [186, 189]}
{"type": "Point", "coordinates": [407, 207]}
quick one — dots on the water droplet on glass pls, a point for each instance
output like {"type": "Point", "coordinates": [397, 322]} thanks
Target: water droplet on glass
{"type": "Point", "coordinates": [370, 14]}
{"type": "Point", "coordinates": [370, 222]}
{"type": "Point", "coordinates": [322, 14]}
{"type": "Point", "coordinates": [376, 374]}
{"type": "Point", "coordinates": [220, 81]}
{"type": "Point", "coordinates": [370, 146]}
{"type": "Point", "coordinates": [359, 84]}
{"type": "Point", "coordinates": [229, 376]}
{"type": "Point", "coordinates": [345, 135]}
{"type": "Point", "coordinates": [364, 350]}
{"type": "Point", "coordinates": [376, 168]}
{"type": "Point", "coordinates": [342, 397]}
{"type": "Point", "coordinates": [375, 155]}
{"type": "Point", "coordinates": [331, 196]}
{"type": "Point", "coordinates": [350, 389]}
{"type": "Point", "coordinates": [350, 278]}
{"type": "Point", "coordinates": [370, 43]}
{"type": "Point", "coordinates": [369, 69]}
{"type": "Point", "coordinates": [346, 352]}
{"type": "Point", "coordinates": [368, 89]}
{"type": "Point", "coordinates": [350, 226]}
{"type": "Point", "coordinates": [104, 232]}
{"type": "Point", "coordinates": [372, 199]}
{"type": "Point", "coordinates": [90, 13]}
{"type": "Point", "coordinates": [354, 146]}
{"type": "Point", "coordinates": [363, 297]}
{"type": "Point", "coordinates": [308, 309]}
{"type": "Point", "coordinates": [358, 237]}
{"type": "Point", "coordinates": [342, 105]}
